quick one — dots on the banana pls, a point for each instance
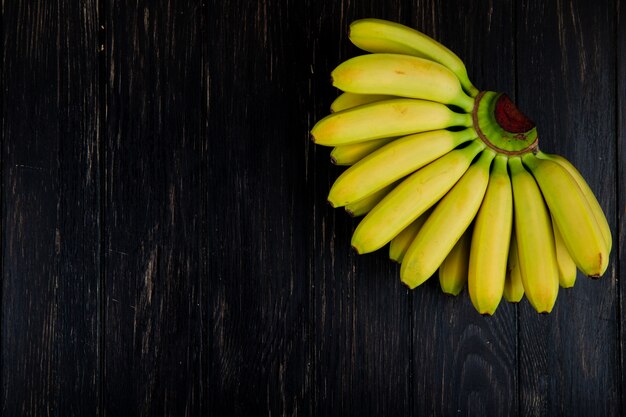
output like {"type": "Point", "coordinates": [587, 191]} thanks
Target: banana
{"type": "Point", "coordinates": [349, 100]}
{"type": "Point", "coordinates": [453, 270]}
{"type": "Point", "coordinates": [400, 243]}
{"type": "Point", "coordinates": [382, 36]}
{"type": "Point", "coordinates": [535, 240]}
{"type": "Point", "coordinates": [572, 214]}
{"type": "Point", "coordinates": [363, 206]}
{"type": "Point", "coordinates": [412, 197]}
{"type": "Point", "coordinates": [393, 161]}
{"type": "Point", "coordinates": [490, 241]}
{"type": "Point", "coordinates": [513, 286]}
{"type": "Point", "coordinates": [591, 198]}
{"type": "Point", "coordinates": [353, 153]}
{"type": "Point", "coordinates": [446, 224]}
{"type": "Point", "coordinates": [384, 119]}
{"type": "Point", "coordinates": [401, 75]}
{"type": "Point", "coordinates": [567, 267]}
{"type": "Point", "coordinates": [453, 178]}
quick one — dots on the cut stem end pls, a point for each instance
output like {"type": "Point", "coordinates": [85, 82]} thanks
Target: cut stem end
{"type": "Point", "coordinates": [502, 126]}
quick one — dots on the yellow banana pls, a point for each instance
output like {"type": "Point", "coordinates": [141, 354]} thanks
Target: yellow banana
{"type": "Point", "coordinates": [591, 198]}
{"type": "Point", "coordinates": [353, 153]}
{"type": "Point", "coordinates": [453, 270]}
{"type": "Point", "coordinates": [376, 35]}
{"type": "Point", "coordinates": [384, 119]}
{"type": "Point", "coordinates": [400, 243]}
{"type": "Point", "coordinates": [490, 241]}
{"type": "Point", "coordinates": [535, 240]}
{"type": "Point", "coordinates": [567, 267]}
{"type": "Point", "coordinates": [350, 154]}
{"type": "Point", "coordinates": [364, 205]}
{"type": "Point", "coordinates": [349, 100]}
{"type": "Point", "coordinates": [572, 214]}
{"type": "Point", "coordinates": [411, 198]}
{"type": "Point", "coordinates": [452, 178]}
{"type": "Point", "coordinates": [446, 224]}
{"type": "Point", "coordinates": [393, 161]}
{"type": "Point", "coordinates": [401, 75]}
{"type": "Point", "coordinates": [513, 286]}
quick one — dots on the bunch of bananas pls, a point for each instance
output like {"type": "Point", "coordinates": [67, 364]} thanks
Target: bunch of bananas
{"type": "Point", "coordinates": [452, 178]}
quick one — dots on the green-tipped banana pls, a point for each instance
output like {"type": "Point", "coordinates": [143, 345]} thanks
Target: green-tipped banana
{"type": "Point", "coordinates": [401, 75]}
{"type": "Point", "coordinates": [513, 286]}
{"type": "Point", "coordinates": [490, 241]}
{"type": "Point", "coordinates": [392, 162]}
{"type": "Point", "coordinates": [453, 270]}
{"type": "Point", "coordinates": [382, 36]}
{"type": "Point", "coordinates": [535, 240]}
{"type": "Point", "coordinates": [385, 119]}
{"type": "Point", "coordinates": [572, 214]}
{"type": "Point", "coordinates": [349, 100]}
{"type": "Point", "coordinates": [591, 198]}
{"type": "Point", "coordinates": [400, 243]}
{"type": "Point", "coordinates": [353, 153]}
{"type": "Point", "coordinates": [567, 267]}
{"type": "Point", "coordinates": [446, 224]}
{"type": "Point", "coordinates": [411, 198]}
{"type": "Point", "coordinates": [364, 205]}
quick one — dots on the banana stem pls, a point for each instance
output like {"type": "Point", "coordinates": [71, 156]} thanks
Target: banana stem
{"type": "Point", "coordinates": [501, 126]}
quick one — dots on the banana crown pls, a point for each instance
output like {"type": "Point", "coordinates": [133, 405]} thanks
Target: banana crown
{"type": "Point", "coordinates": [452, 177]}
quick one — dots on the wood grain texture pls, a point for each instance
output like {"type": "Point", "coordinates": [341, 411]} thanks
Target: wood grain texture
{"type": "Point", "coordinates": [167, 248]}
{"type": "Point", "coordinates": [568, 359]}
{"type": "Point", "coordinates": [156, 330]}
{"type": "Point", "coordinates": [464, 363]}
{"type": "Point", "coordinates": [619, 236]}
{"type": "Point", "coordinates": [50, 225]}
{"type": "Point", "coordinates": [259, 205]}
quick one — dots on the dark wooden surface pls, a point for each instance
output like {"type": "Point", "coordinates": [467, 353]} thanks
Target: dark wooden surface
{"type": "Point", "coordinates": [166, 245]}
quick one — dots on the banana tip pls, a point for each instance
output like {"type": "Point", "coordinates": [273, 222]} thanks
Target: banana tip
{"type": "Point", "coordinates": [355, 249]}
{"type": "Point", "coordinates": [350, 212]}
{"type": "Point", "coordinates": [410, 285]}
{"type": "Point", "coordinates": [333, 160]}
{"type": "Point", "coordinates": [312, 137]}
{"type": "Point", "coordinates": [453, 292]}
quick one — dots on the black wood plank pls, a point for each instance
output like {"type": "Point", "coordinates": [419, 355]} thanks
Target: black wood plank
{"type": "Point", "coordinates": [156, 330]}
{"type": "Point", "coordinates": [360, 308]}
{"type": "Point", "coordinates": [464, 363]}
{"type": "Point", "coordinates": [259, 94]}
{"type": "Point", "coordinates": [619, 237]}
{"type": "Point", "coordinates": [50, 223]}
{"type": "Point", "coordinates": [569, 359]}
